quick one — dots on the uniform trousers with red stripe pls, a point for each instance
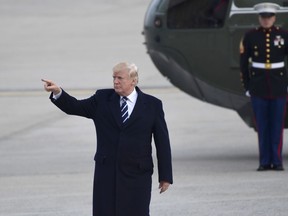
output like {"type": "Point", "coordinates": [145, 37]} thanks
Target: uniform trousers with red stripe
{"type": "Point", "coordinates": [269, 116]}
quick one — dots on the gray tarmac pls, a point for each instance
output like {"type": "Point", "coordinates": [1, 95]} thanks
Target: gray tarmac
{"type": "Point", "coordinates": [46, 157]}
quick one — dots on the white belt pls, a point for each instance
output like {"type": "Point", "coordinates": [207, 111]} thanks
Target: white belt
{"type": "Point", "coordinates": [268, 65]}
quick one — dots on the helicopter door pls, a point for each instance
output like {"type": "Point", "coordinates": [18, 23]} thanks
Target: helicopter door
{"type": "Point", "coordinates": [197, 30]}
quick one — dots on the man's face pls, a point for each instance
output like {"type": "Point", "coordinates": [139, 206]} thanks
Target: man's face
{"type": "Point", "coordinates": [267, 22]}
{"type": "Point", "coordinates": [123, 84]}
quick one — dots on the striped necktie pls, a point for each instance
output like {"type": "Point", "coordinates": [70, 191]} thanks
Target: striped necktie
{"type": "Point", "coordinates": [124, 109]}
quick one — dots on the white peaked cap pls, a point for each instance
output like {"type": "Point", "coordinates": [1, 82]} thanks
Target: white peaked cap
{"type": "Point", "coordinates": [266, 7]}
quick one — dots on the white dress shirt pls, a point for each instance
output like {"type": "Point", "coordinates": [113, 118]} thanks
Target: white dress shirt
{"type": "Point", "coordinates": [131, 101]}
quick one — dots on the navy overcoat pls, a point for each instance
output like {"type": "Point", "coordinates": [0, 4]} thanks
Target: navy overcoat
{"type": "Point", "coordinates": [124, 165]}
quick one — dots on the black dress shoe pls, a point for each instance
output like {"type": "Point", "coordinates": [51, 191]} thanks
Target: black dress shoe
{"type": "Point", "coordinates": [264, 167]}
{"type": "Point", "coordinates": [278, 167]}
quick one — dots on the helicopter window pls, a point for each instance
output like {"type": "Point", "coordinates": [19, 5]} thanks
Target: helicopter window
{"type": "Point", "coordinates": [185, 14]}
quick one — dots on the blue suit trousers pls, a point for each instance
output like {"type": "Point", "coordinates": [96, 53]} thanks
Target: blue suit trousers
{"type": "Point", "coordinates": [269, 117]}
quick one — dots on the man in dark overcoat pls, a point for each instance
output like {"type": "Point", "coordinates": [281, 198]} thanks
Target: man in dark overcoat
{"type": "Point", "coordinates": [264, 77]}
{"type": "Point", "coordinates": [124, 165]}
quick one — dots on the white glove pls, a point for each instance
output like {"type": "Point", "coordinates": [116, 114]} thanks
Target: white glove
{"type": "Point", "coordinates": [247, 93]}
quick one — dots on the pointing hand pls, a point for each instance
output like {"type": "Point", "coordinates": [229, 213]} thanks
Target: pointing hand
{"type": "Point", "coordinates": [49, 86]}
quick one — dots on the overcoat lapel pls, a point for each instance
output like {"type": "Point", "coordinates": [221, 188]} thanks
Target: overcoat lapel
{"type": "Point", "coordinates": [138, 110]}
{"type": "Point", "coordinates": [114, 103]}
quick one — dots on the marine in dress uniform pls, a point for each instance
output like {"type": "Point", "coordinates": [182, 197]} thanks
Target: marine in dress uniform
{"type": "Point", "coordinates": [264, 78]}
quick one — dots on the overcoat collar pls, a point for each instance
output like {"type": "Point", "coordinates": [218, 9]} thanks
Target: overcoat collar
{"type": "Point", "coordinates": [136, 113]}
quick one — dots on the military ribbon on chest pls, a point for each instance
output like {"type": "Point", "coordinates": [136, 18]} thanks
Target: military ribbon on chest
{"type": "Point", "coordinates": [278, 41]}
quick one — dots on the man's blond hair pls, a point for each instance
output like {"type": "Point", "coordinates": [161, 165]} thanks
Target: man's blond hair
{"type": "Point", "coordinates": [131, 68]}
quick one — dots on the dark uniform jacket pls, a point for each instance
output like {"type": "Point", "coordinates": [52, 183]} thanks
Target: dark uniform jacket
{"type": "Point", "coordinates": [124, 165]}
{"type": "Point", "coordinates": [267, 47]}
